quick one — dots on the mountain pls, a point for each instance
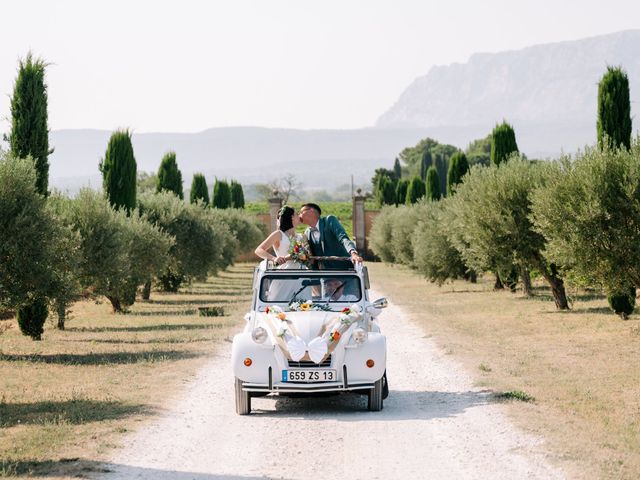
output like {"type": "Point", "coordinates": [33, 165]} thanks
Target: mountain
{"type": "Point", "coordinates": [548, 92]}
{"type": "Point", "coordinates": [321, 159]}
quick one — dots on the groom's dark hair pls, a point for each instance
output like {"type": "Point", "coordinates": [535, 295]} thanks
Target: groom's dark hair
{"type": "Point", "coordinates": [313, 206]}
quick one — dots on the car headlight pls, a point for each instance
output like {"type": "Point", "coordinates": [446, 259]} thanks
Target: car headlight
{"type": "Point", "coordinates": [259, 335]}
{"type": "Point", "coordinates": [360, 335]}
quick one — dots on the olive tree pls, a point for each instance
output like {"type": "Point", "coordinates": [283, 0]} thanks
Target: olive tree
{"type": "Point", "coordinates": [490, 216]}
{"type": "Point", "coordinates": [33, 245]}
{"type": "Point", "coordinates": [199, 242]}
{"type": "Point", "coordinates": [434, 255]}
{"type": "Point", "coordinates": [380, 236]}
{"type": "Point", "coordinates": [589, 212]}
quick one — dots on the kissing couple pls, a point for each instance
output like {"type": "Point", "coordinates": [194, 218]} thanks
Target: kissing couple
{"type": "Point", "coordinates": [324, 236]}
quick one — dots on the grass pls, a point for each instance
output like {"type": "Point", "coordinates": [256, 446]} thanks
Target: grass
{"type": "Point", "coordinates": [582, 367]}
{"type": "Point", "coordinates": [75, 393]}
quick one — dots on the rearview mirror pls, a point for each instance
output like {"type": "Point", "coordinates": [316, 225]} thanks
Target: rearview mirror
{"type": "Point", "coordinates": [380, 303]}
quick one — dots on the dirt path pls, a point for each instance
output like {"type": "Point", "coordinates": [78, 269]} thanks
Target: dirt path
{"type": "Point", "coordinates": [434, 425]}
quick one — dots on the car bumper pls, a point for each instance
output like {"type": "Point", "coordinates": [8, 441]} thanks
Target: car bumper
{"type": "Point", "coordinates": [265, 372]}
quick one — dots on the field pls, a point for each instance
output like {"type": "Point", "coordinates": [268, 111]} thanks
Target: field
{"type": "Point", "coordinates": [577, 371]}
{"type": "Point", "coordinates": [74, 393]}
{"type": "Point", "coordinates": [342, 210]}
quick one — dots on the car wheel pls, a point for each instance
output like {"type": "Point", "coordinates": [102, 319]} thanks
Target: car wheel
{"type": "Point", "coordinates": [385, 386]}
{"type": "Point", "coordinates": [375, 397]}
{"type": "Point", "coordinates": [243, 399]}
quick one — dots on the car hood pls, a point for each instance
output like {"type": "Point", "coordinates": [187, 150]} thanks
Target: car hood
{"type": "Point", "coordinates": [308, 325]}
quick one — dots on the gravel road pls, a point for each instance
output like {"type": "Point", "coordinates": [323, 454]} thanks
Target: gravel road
{"type": "Point", "coordinates": [434, 425]}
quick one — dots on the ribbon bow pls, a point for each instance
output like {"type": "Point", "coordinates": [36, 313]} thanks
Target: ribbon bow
{"type": "Point", "coordinates": [316, 348]}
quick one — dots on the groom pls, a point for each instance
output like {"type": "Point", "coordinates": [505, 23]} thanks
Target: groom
{"type": "Point", "coordinates": [327, 238]}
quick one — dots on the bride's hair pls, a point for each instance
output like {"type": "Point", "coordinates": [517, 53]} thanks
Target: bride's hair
{"type": "Point", "coordinates": [285, 218]}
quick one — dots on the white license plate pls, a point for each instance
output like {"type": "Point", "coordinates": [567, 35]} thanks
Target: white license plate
{"type": "Point", "coordinates": [309, 375]}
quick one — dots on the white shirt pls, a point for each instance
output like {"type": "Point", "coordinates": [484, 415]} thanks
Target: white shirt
{"type": "Point", "coordinates": [316, 232]}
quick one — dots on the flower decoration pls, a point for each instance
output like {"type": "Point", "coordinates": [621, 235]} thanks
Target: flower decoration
{"type": "Point", "coordinates": [334, 336]}
{"type": "Point", "coordinates": [299, 250]}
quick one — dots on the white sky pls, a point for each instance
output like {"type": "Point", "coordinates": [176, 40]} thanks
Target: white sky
{"type": "Point", "coordinates": [185, 66]}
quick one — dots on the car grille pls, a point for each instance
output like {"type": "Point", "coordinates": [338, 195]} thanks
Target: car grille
{"type": "Point", "coordinates": [310, 364]}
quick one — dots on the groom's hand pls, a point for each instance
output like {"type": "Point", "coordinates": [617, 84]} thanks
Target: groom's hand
{"type": "Point", "coordinates": [355, 258]}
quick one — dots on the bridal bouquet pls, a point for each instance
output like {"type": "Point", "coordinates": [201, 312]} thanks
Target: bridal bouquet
{"type": "Point", "coordinates": [299, 251]}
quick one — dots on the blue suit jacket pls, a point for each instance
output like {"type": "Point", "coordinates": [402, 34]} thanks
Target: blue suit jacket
{"type": "Point", "coordinates": [334, 241]}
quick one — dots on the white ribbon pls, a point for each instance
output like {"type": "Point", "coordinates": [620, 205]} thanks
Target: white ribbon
{"type": "Point", "coordinates": [317, 349]}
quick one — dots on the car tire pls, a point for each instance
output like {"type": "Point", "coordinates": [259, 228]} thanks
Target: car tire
{"type": "Point", "coordinates": [375, 397]}
{"type": "Point", "coordinates": [385, 386]}
{"type": "Point", "coordinates": [243, 399]}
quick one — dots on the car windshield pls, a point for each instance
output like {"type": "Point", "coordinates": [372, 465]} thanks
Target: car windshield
{"type": "Point", "coordinates": [327, 289]}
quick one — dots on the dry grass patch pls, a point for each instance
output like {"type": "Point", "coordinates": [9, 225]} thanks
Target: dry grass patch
{"type": "Point", "coordinates": [75, 393]}
{"type": "Point", "coordinates": [582, 367]}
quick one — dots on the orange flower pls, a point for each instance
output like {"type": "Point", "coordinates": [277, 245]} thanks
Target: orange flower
{"type": "Point", "coordinates": [305, 306]}
{"type": "Point", "coordinates": [335, 336]}
{"type": "Point", "coordinates": [281, 316]}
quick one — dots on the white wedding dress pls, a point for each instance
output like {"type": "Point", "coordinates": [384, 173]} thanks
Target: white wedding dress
{"type": "Point", "coordinates": [281, 289]}
{"type": "Point", "coordinates": [283, 250]}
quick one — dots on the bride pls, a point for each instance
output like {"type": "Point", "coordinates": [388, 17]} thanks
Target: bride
{"type": "Point", "coordinates": [281, 240]}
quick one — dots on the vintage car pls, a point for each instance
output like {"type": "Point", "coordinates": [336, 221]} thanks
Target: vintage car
{"type": "Point", "coordinates": [310, 332]}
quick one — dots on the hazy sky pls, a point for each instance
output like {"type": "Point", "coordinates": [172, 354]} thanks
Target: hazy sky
{"type": "Point", "coordinates": [190, 65]}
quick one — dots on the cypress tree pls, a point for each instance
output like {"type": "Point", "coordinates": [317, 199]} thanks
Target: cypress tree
{"type": "Point", "coordinates": [442, 166]}
{"type": "Point", "coordinates": [199, 190]}
{"type": "Point", "coordinates": [415, 191]}
{"type": "Point", "coordinates": [458, 168]}
{"type": "Point", "coordinates": [386, 191]}
{"type": "Point", "coordinates": [503, 143]}
{"type": "Point", "coordinates": [169, 176]}
{"type": "Point", "coordinates": [237, 195]}
{"type": "Point", "coordinates": [29, 133]}
{"type": "Point", "coordinates": [433, 184]}
{"type": "Point", "coordinates": [614, 130]}
{"type": "Point", "coordinates": [425, 163]}
{"type": "Point", "coordinates": [401, 192]}
{"type": "Point", "coordinates": [119, 171]}
{"type": "Point", "coordinates": [221, 194]}
{"type": "Point", "coordinates": [614, 109]}
{"type": "Point", "coordinates": [397, 169]}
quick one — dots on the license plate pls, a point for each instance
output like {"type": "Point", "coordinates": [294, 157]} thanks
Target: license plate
{"type": "Point", "coordinates": [309, 375]}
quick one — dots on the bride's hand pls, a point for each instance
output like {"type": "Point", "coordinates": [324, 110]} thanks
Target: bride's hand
{"type": "Point", "coordinates": [280, 260]}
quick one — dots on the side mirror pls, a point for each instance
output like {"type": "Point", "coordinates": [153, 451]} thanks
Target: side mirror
{"type": "Point", "coordinates": [380, 303]}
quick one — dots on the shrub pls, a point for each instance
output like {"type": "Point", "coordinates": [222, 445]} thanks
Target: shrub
{"type": "Point", "coordinates": [623, 303]}
{"type": "Point", "coordinates": [243, 227]}
{"type": "Point", "coordinates": [33, 242]}
{"type": "Point", "coordinates": [403, 224]}
{"type": "Point", "coordinates": [380, 237]}
{"type": "Point", "coordinates": [590, 215]}
{"type": "Point", "coordinates": [401, 192]}
{"type": "Point", "coordinates": [458, 168]}
{"type": "Point", "coordinates": [199, 241]}
{"type": "Point", "coordinates": [490, 215]}
{"type": "Point", "coordinates": [385, 191]}
{"type": "Point", "coordinates": [434, 255]}
{"type": "Point", "coordinates": [31, 318]}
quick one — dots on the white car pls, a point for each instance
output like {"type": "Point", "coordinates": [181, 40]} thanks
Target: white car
{"type": "Point", "coordinates": [312, 332]}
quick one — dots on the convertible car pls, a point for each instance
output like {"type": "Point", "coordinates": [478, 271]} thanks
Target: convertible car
{"type": "Point", "coordinates": [310, 332]}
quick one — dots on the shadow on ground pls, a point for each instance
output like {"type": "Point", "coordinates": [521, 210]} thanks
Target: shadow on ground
{"type": "Point", "coordinates": [352, 407]}
{"type": "Point", "coordinates": [80, 468]}
{"type": "Point", "coordinates": [148, 328]}
{"type": "Point", "coordinates": [75, 412]}
{"type": "Point", "coordinates": [100, 358]}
